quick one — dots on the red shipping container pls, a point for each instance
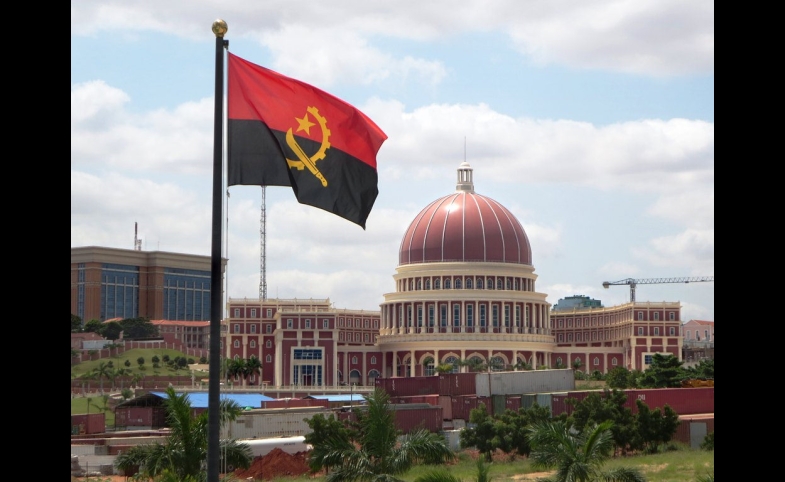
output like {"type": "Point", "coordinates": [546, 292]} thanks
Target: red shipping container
{"type": "Point", "coordinates": [429, 399]}
{"type": "Point", "coordinates": [684, 401]}
{"type": "Point", "coordinates": [454, 384]}
{"type": "Point", "coordinates": [409, 386]}
{"type": "Point", "coordinates": [428, 418]}
{"type": "Point", "coordinates": [88, 423]}
{"type": "Point", "coordinates": [153, 417]}
{"type": "Point", "coordinates": [295, 402]}
{"type": "Point", "coordinates": [513, 402]}
{"type": "Point", "coordinates": [446, 403]}
{"type": "Point", "coordinates": [462, 406]}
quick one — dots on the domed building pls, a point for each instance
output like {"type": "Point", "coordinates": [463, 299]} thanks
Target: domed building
{"type": "Point", "coordinates": [465, 290]}
{"type": "Point", "coordinates": [465, 295]}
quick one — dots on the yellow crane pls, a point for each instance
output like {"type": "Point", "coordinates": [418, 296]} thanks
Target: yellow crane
{"type": "Point", "coordinates": [648, 281]}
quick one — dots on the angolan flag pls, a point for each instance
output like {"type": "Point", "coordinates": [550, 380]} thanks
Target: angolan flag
{"type": "Point", "coordinates": [283, 132]}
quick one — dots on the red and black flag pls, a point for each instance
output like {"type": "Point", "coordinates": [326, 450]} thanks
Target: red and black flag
{"type": "Point", "coordinates": [283, 132]}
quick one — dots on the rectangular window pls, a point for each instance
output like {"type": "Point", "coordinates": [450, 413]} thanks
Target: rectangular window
{"type": "Point", "coordinates": [268, 328]}
{"type": "Point", "coordinates": [430, 315]}
{"type": "Point", "coordinates": [706, 335]}
{"type": "Point", "coordinates": [456, 315]}
{"type": "Point", "coordinates": [647, 359]}
{"type": "Point", "coordinates": [237, 312]}
{"type": "Point", "coordinates": [495, 315]}
{"type": "Point", "coordinates": [469, 315]}
{"type": "Point", "coordinates": [367, 337]}
{"type": "Point", "coordinates": [482, 316]}
{"type": "Point", "coordinates": [640, 331]}
{"type": "Point", "coordinates": [237, 328]}
{"type": "Point", "coordinates": [517, 316]}
{"type": "Point", "coordinates": [443, 313]}
{"type": "Point", "coordinates": [506, 315]}
{"type": "Point", "coordinates": [640, 316]}
{"type": "Point", "coordinates": [561, 337]}
{"type": "Point", "coordinates": [253, 312]}
{"type": "Point", "coordinates": [253, 328]}
{"type": "Point", "coordinates": [671, 331]}
{"type": "Point", "coordinates": [325, 324]}
{"type": "Point", "coordinates": [569, 336]}
{"type": "Point", "coordinates": [656, 316]}
{"type": "Point", "coordinates": [656, 331]}
{"type": "Point", "coordinates": [419, 316]}
{"type": "Point", "coordinates": [367, 323]}
{"type": "Point", "coordinates": [671, 316]}
{"type": "Point", "coordinates": [289, 323]}
{"type": "Point", "coordinates": [269, 312]}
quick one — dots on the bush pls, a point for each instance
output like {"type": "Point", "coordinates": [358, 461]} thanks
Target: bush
{"type": "Point", "coordinates": [708, 442]}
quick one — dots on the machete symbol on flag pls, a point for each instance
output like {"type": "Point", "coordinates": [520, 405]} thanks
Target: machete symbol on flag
{"type": "Point", "coordinates": [284, 132]}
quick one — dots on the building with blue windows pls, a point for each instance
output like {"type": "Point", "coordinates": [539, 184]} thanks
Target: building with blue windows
{"type": "Point", "coordinates": [109, 283]}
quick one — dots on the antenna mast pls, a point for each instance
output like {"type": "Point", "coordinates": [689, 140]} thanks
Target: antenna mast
{"type": "Point", "coordinates": [137, 241]}
{"type": "Point", "coordinates": [263, 260]}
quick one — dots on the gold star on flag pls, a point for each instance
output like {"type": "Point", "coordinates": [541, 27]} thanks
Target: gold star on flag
{"type": "Point", "coordinates": [305, 124]}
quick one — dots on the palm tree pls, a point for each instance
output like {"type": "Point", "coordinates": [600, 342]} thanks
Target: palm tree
{"type": "Point", "coordinates": [371, 452]}
{"type": "Point", "coordinates": [184, 453]}
{"type": "Point", "coordinates": [253, 367]}
{"type": "Point", "coordinates": [577, 457]}
{"type": "Point", "coordinates": [103, 370]}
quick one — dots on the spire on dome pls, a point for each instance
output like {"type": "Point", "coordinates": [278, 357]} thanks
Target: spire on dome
{"type": "Point", "coordinates": [465, 181]}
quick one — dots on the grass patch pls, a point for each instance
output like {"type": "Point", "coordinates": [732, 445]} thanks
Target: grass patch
{"type": "Point", "coordinates": [118, 361]}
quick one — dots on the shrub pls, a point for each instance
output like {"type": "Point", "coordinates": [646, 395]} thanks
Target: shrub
{"type": "Point", "coordinates": [708, 442]}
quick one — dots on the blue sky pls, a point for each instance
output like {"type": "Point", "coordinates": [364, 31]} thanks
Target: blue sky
{"type": "Point", "coordinates": [593, 122]}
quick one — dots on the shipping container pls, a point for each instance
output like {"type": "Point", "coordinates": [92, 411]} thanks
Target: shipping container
{"type": "Point", "coordinates": [454, 384]}
{"type": "Point", "coordinates": [295, 402]}
{"type": "Point", "coordinates": [544, 400]}
{"type": "Point", "coordinates": [408, 420]}
{"type": "Point", "coordinates": [528, 400]}
{"type": "Point", "coordinates": [446, 403]}
{"type": "Point", "coordinates": [429, 399]}
{"type": "Point", "coordinates": [463, 405]}
{"type": "Point", "coordinates": [152, 417]}
{"type": "Point", "coordinates": [499, 403]}
{"type": "Point", "coordinates": [482, 384]}
{"type": "Point", "coordinates": [263, 446]}
{"type": "Point", "coordinates": [559, 403]}
{"type": "Point", "coordinates": [88, 423]}
{"type": "Point", "coordinates": [693, 430]}
{"type": "Point", "coordinates": [512, 402]}
{"type": "Point", "coordinates": [409, 386]}
{"type": "Point", "coordinates": [684, 401]}
{"type": "Point", "coordinates": [528, 381]}
{"type": "Point", "coordinates": [266, 423]}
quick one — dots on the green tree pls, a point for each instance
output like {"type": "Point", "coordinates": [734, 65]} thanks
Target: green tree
{"type": "Point", "coordinates": [76, 324]}
{"type": "Point", "coordinates": [654, 427]}
{"type": "Point", "coordinates": [127, 363]}
{"type": "Point", "coordinates": [483, 434]}
{"type": "Point", "coordinates": [511, 428]}
{"type": "Point", "coordinates": [599, 407]}
{"type": "Point", "coordinates": [139, 328]}
{"type": "Point", "coordinates": [577, 457]}
{"type": "Point", "coordinates": [183, 455]}
{"type": "Point", "coordinates": [374, 452]}
{"type": "Point", "coordinates": [326, 432]}
{"type": "Point", "coordinates": [704, 369]}
{"type": "Point", "coordinates": [111, 330]}
{"type": "Point", "coordinates": [253, 368]}
{"type": "Point", "coordinates": [445, 368]}
{"type": "Point", "coordinates": [577, 364]}
{"type": "Point", "coordinates": [92, 326]}
{"type": "Point", "coordinates": [140, 362]}
{"type": "Point", "coordinates": [664, 371]}
{"type": "Point", "coordinates": [103, 370]}
{"type": "Point", "coordinates": [619, 378]}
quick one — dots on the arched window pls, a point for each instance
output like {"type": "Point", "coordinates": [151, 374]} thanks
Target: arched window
{"type": "Point", "coordinates": [489, 282]}
{"type": "Point", "coordinates": [437, 283]}
{"type": "Point", "coordinates": [614, 361]}
{"type": "Point", "coordinates": [354, 360]}
{"type": "Point", "coordinates": [427, 283]}
{"type": "Point", "coordinates": [468, 283]}
{"type": "Point", "coordinates": [457, 283]}
{"type": "Point", "coordinates": [372, 375]}
{"type": "Point", "coordinates": [237, 343]}
{"type": "Point", "coordinates": [428, 366]}
{"type": "Point", "coordinates": [447, 283]}
{"type": "Point", "coordinates": [253, 343]}
{"type": "Point", "coordinates": [454, 362]}
{"type": "Point", "coordinates": [479, 283]}
{"type": "Point", "coordinates": [497, 364]}
{"type": "Point", "coordinates": [499, 284]}
{"type": "Point", "coordinates": [269, 359]}
{"type": "Point", "coordinates": [596, 361]}
{"type": "Point", "coordinates": [269, 343]}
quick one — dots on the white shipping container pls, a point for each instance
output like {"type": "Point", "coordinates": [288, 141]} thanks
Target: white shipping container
{"type": "Point", "coordinates": [482, 384]}
{"type": "Point", "coordinates": [453, 439]}
{"type": "Point", "coordinates": [531, 381]}
{"type": "Point", "coordinates": [266, 423]}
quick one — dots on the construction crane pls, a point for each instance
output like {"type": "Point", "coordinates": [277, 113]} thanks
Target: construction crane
{"type": "Point", "coordinates": [652, 281]}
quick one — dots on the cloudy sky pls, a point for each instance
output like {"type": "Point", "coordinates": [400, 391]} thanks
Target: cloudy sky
{"type": "Point", "coordinates": [593, 122]}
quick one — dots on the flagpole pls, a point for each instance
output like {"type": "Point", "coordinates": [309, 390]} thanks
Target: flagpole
{"type": "Point", "coordinates": [216, 283]}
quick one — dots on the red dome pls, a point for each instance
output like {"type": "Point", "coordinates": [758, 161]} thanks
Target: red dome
{"type": "Point", "coordinates": [465, 226]}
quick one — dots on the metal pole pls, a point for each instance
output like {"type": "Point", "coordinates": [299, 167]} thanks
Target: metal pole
{"type": "Point", "coordinates": [213, 401]}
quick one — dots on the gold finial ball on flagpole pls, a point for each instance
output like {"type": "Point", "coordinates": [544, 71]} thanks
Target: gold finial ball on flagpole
{"type": "Point", "coordinates": [219, 28]}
